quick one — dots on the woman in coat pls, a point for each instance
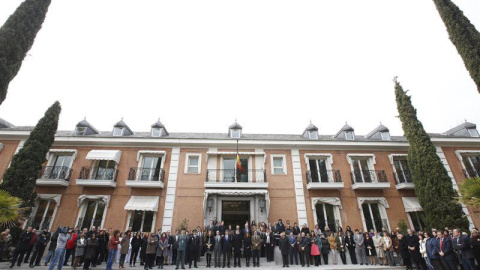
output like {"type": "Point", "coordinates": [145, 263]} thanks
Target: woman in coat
{"type": "Point", "coordinates": [370, 248]}
{"type": "Point", "coordinates": [325, 248]}
{"type": "Point", "coordinates": [143, 251]}
{"type": "Point", "coordinates": [475, 242]}
{"type": "Point", "coordinates": [151, 250]}
{"type": "Point", "coordinates": [209, 247]}
{"type": "Point", "coordinates": [79, 250]}
{"type": "Point", "coordinates": [403, 250]}
{"type": "Point", "coordinates": [136, 245]}
{"type": "Point", "coordinates": [247, 248]}
{"type": "Point", "coordinates": [350, 244]}
{"type": "Point", "coordinates": [124, 246]}
{"type": "Point", "coordinates": [333, 246]}
{"type": "Point", "coordinates": [90, 251]}
{"type": "Point", "coordinates": [388, 248]}
{"type": "Point", "coordinates": [315, 248]}
{"type": "Point", "coordinates": [378, 243]}
{"type": "Point", "coordinates": [162, 249]}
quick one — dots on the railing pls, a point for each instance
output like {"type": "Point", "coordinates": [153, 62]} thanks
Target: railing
{"type": "Point", "coordinates": [55, 172]}
{"type": "Point", "coordinates": [472, 172]}
{"type": "Point", "coordinates": [87, 222]}
{"type": "Point", "coordinates": [368, 176]}
{"type": "Point", "coordinates": [43, 224]}
{"type": "Point", "coordinates": [98, 173]}
{"type": "Point", "coordinates": [403, 177]}
{"type": "Point", "coordinates": [331, 224]}
{"type": "Point", "coordinates": [329, 176]}
{"type": "Point", "coordinates": [379, 224]}
{"type": "Point", "coordinates": [146, 174]}
{"type": "Point", "coordinates": [240, 176]}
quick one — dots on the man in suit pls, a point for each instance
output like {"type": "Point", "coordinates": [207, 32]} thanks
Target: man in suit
{"type": "Point", "coordinates": [295, 229]}
{"type": "Point", "coordinates": [350, 244]}
{"type": "Point", "coordinates": [465, 253]}
{"type": "Point", "coordinates": [256, 246]}
{"type": "Point", "coordinates": [22, 247]}
{"type": "Point", "coordinates": [217, 251]}
{"type": "Point", "coordinates": [304, 253]}
{"type": "Point", "coordinates": [174, 241]}
{"type": "Point", "coordinates": [292, 240]}
{"type": "Point", "coordinates": [284, 246]}
{"type": "Point", "coordinates": [360, 246]}
{"type": "Point", "coordinates": [269, 245]}
{"type": "Point", "coordinates": [280, 227]}
{"type": "Point", "coordinates": [211, 227]}
{"type": "Point", "coordinates": [444, 249]}
{"type": "Point", "coordinates": [226, 248]}
{"type": "Point", "coordinates": [194, 249]}
{"type": "Point", "coordinates": [181, 244]}
{"type": "Point", "coordinates": [341, 247]}
{"type": "Point", "coordinates": [413, 248]}
{"type": "Point", "coordinates": [237, 248]}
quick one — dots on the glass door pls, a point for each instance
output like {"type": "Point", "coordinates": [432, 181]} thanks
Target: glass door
{"type": "Point", "coordinates": [150, 170]}
{"type": "Point", "coordinates": [318, 170]}
{"type": "Point", "coordinates": [93, 215]}
{"type": "Point", "coordinates": [373, 218]}
{"type": "Point", "coordinates": [60, 167]}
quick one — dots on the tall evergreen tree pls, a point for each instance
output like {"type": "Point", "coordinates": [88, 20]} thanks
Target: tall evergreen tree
{"type": "Point", "coordinates": [16, 38]}
{"type": "Point", "coordinates": [463, 35]}
{"type": "Point", "coordinates": [433, 186]}
{"type": "Point", "coordinates": [19, 179]}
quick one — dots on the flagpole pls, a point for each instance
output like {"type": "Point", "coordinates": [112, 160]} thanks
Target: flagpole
{"type": "Point", "coordinates": [236, 161]}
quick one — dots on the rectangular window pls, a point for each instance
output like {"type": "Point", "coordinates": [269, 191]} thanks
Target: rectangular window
{"type": "Point", "coordinates": [230, 171]}
{"type": "Point", "coordinates": [326, 217]}
{"type": "Point", "coordinates": [141, 221]}
{"type": "Point", "coordinates": [150, 170]}
{"type": "Point", "coordinates": [418, 220]}
{"type": "Point", "coordinates": [278, 167]}
{"type": "Point", "coordinates": [79, 131]}
{"type": "Point", "coordinates": [193, 164]}
{"type": "Point", "coordinates": [59, 168]}
{"type": "Point", "coordinates": [373, 218]}
{"type": "Point", "coordinates": [473, 132]}
{"type": "Point", "coordinates": [156, 132]}
{"type": "Point", "coordinates": [402, 172]}
{"type": "Point", "coordinates": [313, 135]}
{"type": "Point", "coordinates": [104, 170]}
{"type": "Point", "coordinates": [385, 136]}
{"type": "Point", "coordinates": [349, 135]}
{"type": "Point", "coordinates": [472, 165]}
{"type": "Point", "coordinates": [117, 131]}
{"type": "Point", "coordinates": [361, 171]}
{"type": "Point", "coordinates": [93, 214]}
{"type": "Point", "coordinates": [43, 214]}
{"type": "Point", "coordinates": [235, 133]}
{"type": "Point", "coordinates": [318, 170]}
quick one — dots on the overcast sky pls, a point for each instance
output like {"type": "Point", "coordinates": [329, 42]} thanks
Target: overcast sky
{"type": "Point", "coordinates": [272, 65]}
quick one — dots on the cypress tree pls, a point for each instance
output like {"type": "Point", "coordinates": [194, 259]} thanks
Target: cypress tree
{"type": "Point", "coordinates": [19, 179]}
{"type": "Point", "coordinates": [16, 38]}
{"type": "Point", "coordinates": [463, 35]}
{"type": "Point", "coordinates": [433, 186]}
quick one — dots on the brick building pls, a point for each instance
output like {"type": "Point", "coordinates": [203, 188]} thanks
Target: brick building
{"type": "Point", "coordinates": [156, 179]}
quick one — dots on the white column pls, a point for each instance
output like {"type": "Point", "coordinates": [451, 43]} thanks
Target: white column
{"type": "Point", "coordinates": [171, 187]}
{"type": "Point", "coordinates": [299, 192]}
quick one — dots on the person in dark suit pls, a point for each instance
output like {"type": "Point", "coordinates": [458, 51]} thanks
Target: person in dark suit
{"type": "Point", "coordinates": [174, 242]}
{"type": "Point", "coordinates": [247, 248]}
{"type": "Point", "coordinates": [181, 248]}
{"type": "Point", "coordinates": [443, 248]}
{"type": "Point", "coordinates": [256, 247]}
{"type": "Point", "coordinates": [237, 248]}
{"type": "Point", "coordinates": [209, 247]}
{"type": "Point", "coordinates": [217, 251]}
{"type": "Point", "coordinates": [350, 244]}
{"type": "Point", "coordinates": [280, 227]}
{"type": "Point", "coordinates": [194, 245]}
{"type": "Point", "coordinates": [284, 246]}
{"type": "Point", "coordinates": [22, 247]}
{"type": "Point", "coordinates": [295, 229]}
{"type": "Point", "coordinates": [465, 253]}
{"type": "Point", "coordinates": [305, 229]}
{"type": "Point", "coordinates": [227, 248]}
{"type": "Point", "coordinates": [304, 251]}
{"type": "Point", "coordinates": [414, 248]}
{"type": "Point", "coordinates": [269, 244]}
{"type": "Point", "coordinates": [40, 244]}
{"type": "Point", "coordinates": [221, 228]}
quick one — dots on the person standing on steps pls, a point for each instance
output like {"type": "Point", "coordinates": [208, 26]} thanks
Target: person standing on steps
{"type": "Point", "coordinates": [284, 246]}
{"type": "Point", "coordinates": [256, 246]}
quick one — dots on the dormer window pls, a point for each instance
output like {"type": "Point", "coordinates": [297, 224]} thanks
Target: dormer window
{"type": "Point", "coordinates": [156, 132]}
{"type": "Point", "coordinates": [313, 135]}
{"type": "Point", "coordinates": [349, 135]}
{"type": "Point", "coordinates": [385, 136]}
{"type": "Point", "coordinates": [473, 132]}
{"type": "Point", "coordinates": [235, 133]}
{"type": "Point", "coordinates": [80, 131]}
{"type": "Point", "coordinates": [118, 131]}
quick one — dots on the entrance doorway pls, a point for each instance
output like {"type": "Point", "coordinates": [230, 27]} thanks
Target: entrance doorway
{"type": "Point", "coordinates": [235, 213]}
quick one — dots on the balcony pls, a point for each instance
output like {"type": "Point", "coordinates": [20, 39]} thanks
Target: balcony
{"type": "Point", "coordinates": [146, 178]}
{"type": "Point", "coordinates": [97, 177]}
{"type": "Point", "coordinates": [403, 180]}
{"type": "Point", "coordinates": [369, 179]}
{"type": "Point", "coordinates": [54, 176]}
{"type": "Point", "coordinates": [331, 179]}
{"type": "Point", "coordinates": [222, 178]}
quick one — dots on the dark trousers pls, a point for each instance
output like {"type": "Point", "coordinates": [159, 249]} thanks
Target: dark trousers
{"type": "Point", "coordinates": [149, 260]}
{"type": "Point", "coordinates": [325, 258]}
{"type": "Point", "coordinates": [307, 257]}
{"type": "Point", "coordinates": [353, 256]}
{"type": "Point", "coordinates": [37, 255]}
{"type": "Point", "coordinates": [269, 252]}
{"type": "Point", "coordinates": [86, 263]}
{"type": "Point", "coordinates": [227, 255]}
{"type": "Point", "coordinates": [160, 260]}
{"type": "Point", "coordinates": [293, 254]}
{"type": "Point", "coordinates": [27, 254]}
{"type": "Point", "coordinates": [70, 252]}
{"type": "Point", "coordinates": [122, 260]}
{"type": "Point", "coordinates": [18, 257]}
{"type": "Point", "coordinates": [256, 257]}
{"type": "Point", "coordinates": [237, 255]}
{"type": "Point", "coordinates": [437, 264]}
{"type": "Point", "coordinates": [247, 260]}
{"type": "Point", "coordinates": [285, 259]}
{"type": "Point", "coordinates": [100, 255]}
{"type": "Point", "coordinates": [180, 258]}
{"type": "Point", "coordinates": [447, 264]}
{"type": "Point", "coordinates": [209, 259]}
{"type": "Point", "coordinates": [343, 256]}
{"type": "Point", "coordinates": [134, 255]}
{"type": "Point", "coordinates": [317, 260]}
{"type": "Point", "coordinates": [301, 254]}
{"type": "Point", "coordinates": [174, 256]}
{"type": "Point", "coordinates": [193, 257]}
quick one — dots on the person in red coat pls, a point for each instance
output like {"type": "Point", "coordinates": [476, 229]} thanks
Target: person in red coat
{"type": "Point", "coordinates": [31, 244]}
{"type": "Point", "coordinates": [71, 244]}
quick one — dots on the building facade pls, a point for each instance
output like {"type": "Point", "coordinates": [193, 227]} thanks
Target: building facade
{"type": "Point", "coordinates": [152, 180]}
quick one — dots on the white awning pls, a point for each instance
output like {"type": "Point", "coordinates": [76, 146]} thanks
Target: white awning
{"type": "Point", "coordinates": [380, 200]}
{"type": "Point", "coordinates": [55, 197]}
{"type": "Point", "coordinates": [142, 203]}
{"type": "Point", "coordinates": [235, 153]}
{"type": "Point", "coordinates": [104, 198]}
{"type": "Point", "coordinates": [72, 151]}
{"type": "Point", "coordinates": [328, 200]}
{"type": "Point", "coordinates": [411, 204]}
{"type": "Point", "coordinates": [235, 192]}
{"type": "Point", "coordinates": [152, 152]}
{"type": "Point", "coordinates": [104, 155]}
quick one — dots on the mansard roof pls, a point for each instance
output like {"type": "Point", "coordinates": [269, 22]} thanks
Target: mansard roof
{"type": "Point", "coordinates": [380, 128]}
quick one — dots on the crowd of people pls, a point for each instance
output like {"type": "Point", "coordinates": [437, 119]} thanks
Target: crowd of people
{"type": "Point", "coordinates": [436, 249]}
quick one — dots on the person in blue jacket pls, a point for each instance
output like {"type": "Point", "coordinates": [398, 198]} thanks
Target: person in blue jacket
{"type": "Point", "coordinates": [443, 247]}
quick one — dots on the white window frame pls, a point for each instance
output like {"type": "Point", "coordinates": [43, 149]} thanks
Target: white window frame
{"type": "Point", "coordinates": [385, 135]}
{"type": "Point", "coordinates": [47, 197]}
{"type": "Point", "coordinates": [473, 132]}
{"type": "Point", "coordinates": [346, 135]}
{"type": "Point", "coordinates": [466, 153]}
{"type": "Point", "coordinates": [235, 133]}
{"type": "Point", "coordinates": [392, 158]}
{"type": "Point", "coordinates": [95, 165]}
{"type": "Point", "coordinates": [382, 207]}
{"type": "Point", "coordinates": [156, 129]}
{"type": "Point", "coordinates": [313, 135]}
{"type": "Point", "coordinates": [129, 217]}
{"type": "Point", "coordinates": [370, 158]}
{"type": "Point", "coordinates": [410, 220]}
{"type": "Point", "coordinates": [122, 129]}
{"type": "Point", "coordinates": [84, 129]}
{"type": "Point", "coordinates": [187, 162]}
{"type": "Point", "coordinates": [141, 161]}
{"type": "Point", "coordinates": [53, 153]}
{"type": "Point", "coordinates": [284, 163]}
{"type": "Point", "coordinates": [83, 209]}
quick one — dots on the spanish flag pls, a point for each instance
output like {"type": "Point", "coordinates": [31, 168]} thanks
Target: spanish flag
{"type": "Point", "coordinates": [239, 165]}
